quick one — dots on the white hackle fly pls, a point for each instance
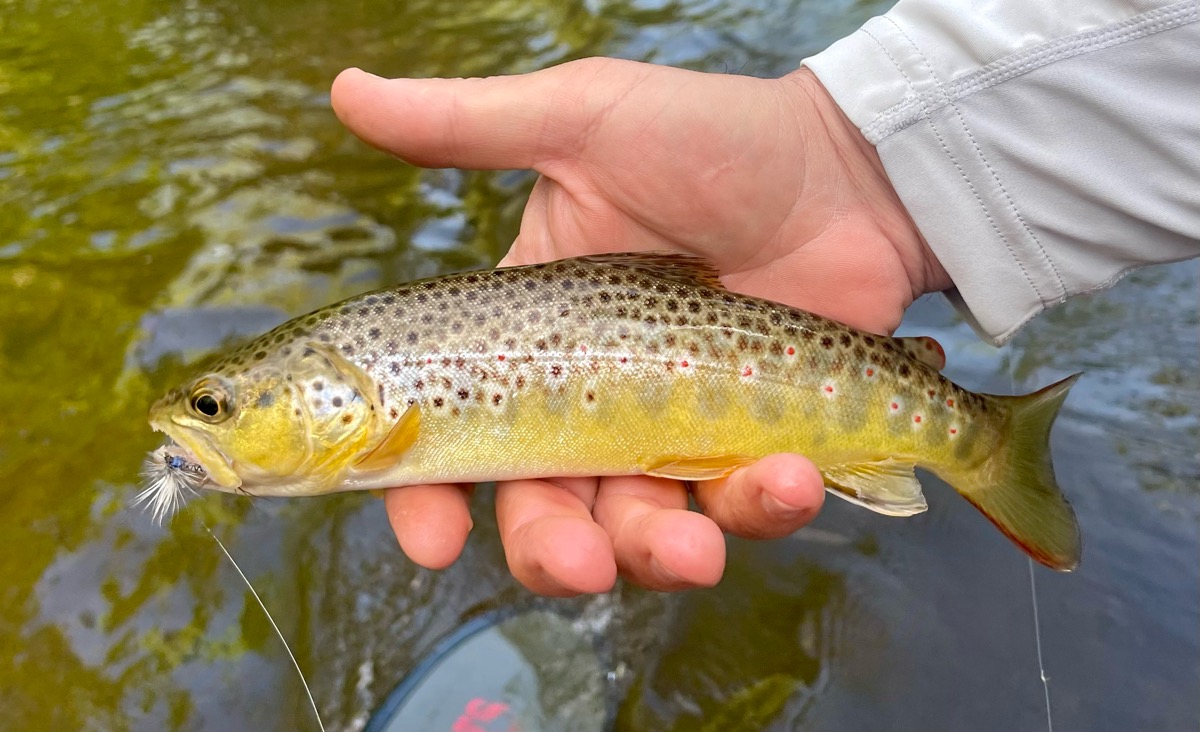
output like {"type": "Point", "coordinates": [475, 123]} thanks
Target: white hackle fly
{"type": "Point", "coordinates": [172, 476]}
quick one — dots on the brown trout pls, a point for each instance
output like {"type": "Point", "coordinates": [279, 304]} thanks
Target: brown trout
{"type": "Point", "coordinates": [606, 365]}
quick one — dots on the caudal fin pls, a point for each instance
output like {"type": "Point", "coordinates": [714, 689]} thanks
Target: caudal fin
{"type": "Point", "coordinates": [1016, 489]}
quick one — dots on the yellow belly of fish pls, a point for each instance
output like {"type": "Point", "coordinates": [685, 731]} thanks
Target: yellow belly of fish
{"type": "Point", "coordinates": [697, 426]}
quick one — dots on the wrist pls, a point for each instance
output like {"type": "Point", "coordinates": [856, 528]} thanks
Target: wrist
{"type": "Point", "coordinates": [867, 177]}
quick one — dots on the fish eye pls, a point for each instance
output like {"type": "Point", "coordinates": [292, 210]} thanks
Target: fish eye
{"type": "Point", "coordinates": [210, 401]}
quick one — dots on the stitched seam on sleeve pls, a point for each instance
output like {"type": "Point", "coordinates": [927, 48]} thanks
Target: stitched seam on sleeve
{"type": "Point", "coordinates": [913, 109]}
{"type": "Point", "coordinates": [946, 149]}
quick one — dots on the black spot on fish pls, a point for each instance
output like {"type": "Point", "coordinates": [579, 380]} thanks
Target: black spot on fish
{"type": "Point", "coordinates": [411, 337]}
{"type": "Point", "coordinates": [845, 339]}
{"type": "Point", "coordinates": [438, 401]}
{"type": "Point", "coordinates": [374, 333]}
{"type": "Point", "coordinates": [265, 399]}
{"type": "Point", "coordinates": [826, 342]}
{"type": "Point", "coordinates": [869, 340]}
{"type": "Point", "coordinates": [336, 401]}
{"type": "Point", "coordinates": [260, 355]}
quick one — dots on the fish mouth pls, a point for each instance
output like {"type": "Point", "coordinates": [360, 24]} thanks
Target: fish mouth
{"type": "Point", "coordinates": [218, 467]}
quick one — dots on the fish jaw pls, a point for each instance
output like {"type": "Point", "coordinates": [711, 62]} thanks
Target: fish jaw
{"type": "Point", "coordinates": [221, 474]}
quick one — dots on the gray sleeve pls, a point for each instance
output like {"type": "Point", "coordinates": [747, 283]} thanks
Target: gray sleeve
{"type": "Point", "coordinates": [1044, 149]}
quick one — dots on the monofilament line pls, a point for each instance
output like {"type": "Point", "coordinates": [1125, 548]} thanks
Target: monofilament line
{"type": "Point", "coordinates": [1037, 634]}
{"type": "Point", "coordinates": [286, 647]}
{"type": "Point", "coordinates": [1037, 626]}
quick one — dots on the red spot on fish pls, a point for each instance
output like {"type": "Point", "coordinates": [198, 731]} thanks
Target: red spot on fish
{"type": "Point", "coordinates": [953, 431]}
{"type": "Point", "coordinates": [500, 357]}
{"type": "Point", "coordinates": [930, 393]}
{"type": "Point", "coordinates": [684, 364]}
{"type": "Point", "coordinates": [624, 359]}
{"type": "Point", "coordinates": [582, 348]}
{"type": "Point", "coordinates": [870, 372]}
{"type": "Point", "coordinates": [747, 371]}
{"type": "Point", "coordinates": [895, 406]}
{"type": "Point", "coordinates": [917, 418]}
{"type": "Point", "coordinates": [429, 360]}
{"type": "Point", "coordinates": [791, 351]}
{"type": "Point", "coordinates": [828, 389]}
{"type": "Point", "coordinates": [949, 402]}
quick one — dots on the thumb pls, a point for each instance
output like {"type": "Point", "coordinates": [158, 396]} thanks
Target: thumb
{"type": "Point", "coordinates": [499, 122]}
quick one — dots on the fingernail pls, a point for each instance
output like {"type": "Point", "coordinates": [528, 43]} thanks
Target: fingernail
{"type": "Point", "coordinates": [661, 570]}
{"type": "Point", "coordinates": [776, 507]}
{"type": "Point", "coordinates": [366, 73]}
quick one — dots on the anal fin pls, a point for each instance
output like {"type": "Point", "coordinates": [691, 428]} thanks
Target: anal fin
{"type": "Point", "coordinates": [886, 486]}
{"type": "Point", "coordinates": [389, 451]}
{"type": "Point", "coordinates": [699, 468]}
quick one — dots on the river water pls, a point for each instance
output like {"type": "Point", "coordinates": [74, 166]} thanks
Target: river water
{"type": "Point", "coordinates": [171, 176]}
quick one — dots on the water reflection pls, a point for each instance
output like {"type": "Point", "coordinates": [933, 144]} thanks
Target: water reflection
{"type": "Point", "coordinates": [171, 177]}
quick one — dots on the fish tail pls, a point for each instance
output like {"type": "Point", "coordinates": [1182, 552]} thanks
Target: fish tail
{"type": "Point", "coordinates": [1016, 488]}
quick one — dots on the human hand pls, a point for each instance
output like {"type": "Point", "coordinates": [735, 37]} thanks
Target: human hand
{"type": "Point", "coordinates": [765, 178]}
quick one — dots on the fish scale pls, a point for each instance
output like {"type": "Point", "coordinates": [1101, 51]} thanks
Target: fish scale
{"type": "Point", "coordinates": [606, 365]}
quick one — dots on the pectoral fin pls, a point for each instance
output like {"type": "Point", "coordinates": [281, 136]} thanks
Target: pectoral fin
{"type": "Point", "coordinates": [401, 437]}
{"type": "Point", "coordinates": [886, 486]}
{"type": "Point", "coordinates": [702, 468]}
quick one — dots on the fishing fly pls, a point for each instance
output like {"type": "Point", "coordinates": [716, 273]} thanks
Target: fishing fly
{"type": "Point", "coordinates": [171, 476]}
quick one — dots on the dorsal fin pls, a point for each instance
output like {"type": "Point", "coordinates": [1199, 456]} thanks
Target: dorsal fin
{"type": "Point", "coordinates": [924, 349]}
{"type": "Point", "coordinates": [687, 269]}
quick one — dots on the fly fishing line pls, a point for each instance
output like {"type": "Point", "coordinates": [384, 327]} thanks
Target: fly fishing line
{"type": "Point", "coordinates": [279, 633]}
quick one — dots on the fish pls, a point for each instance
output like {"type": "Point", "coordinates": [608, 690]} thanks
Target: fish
{"type": "Point", "coordinates": [613, 364]}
